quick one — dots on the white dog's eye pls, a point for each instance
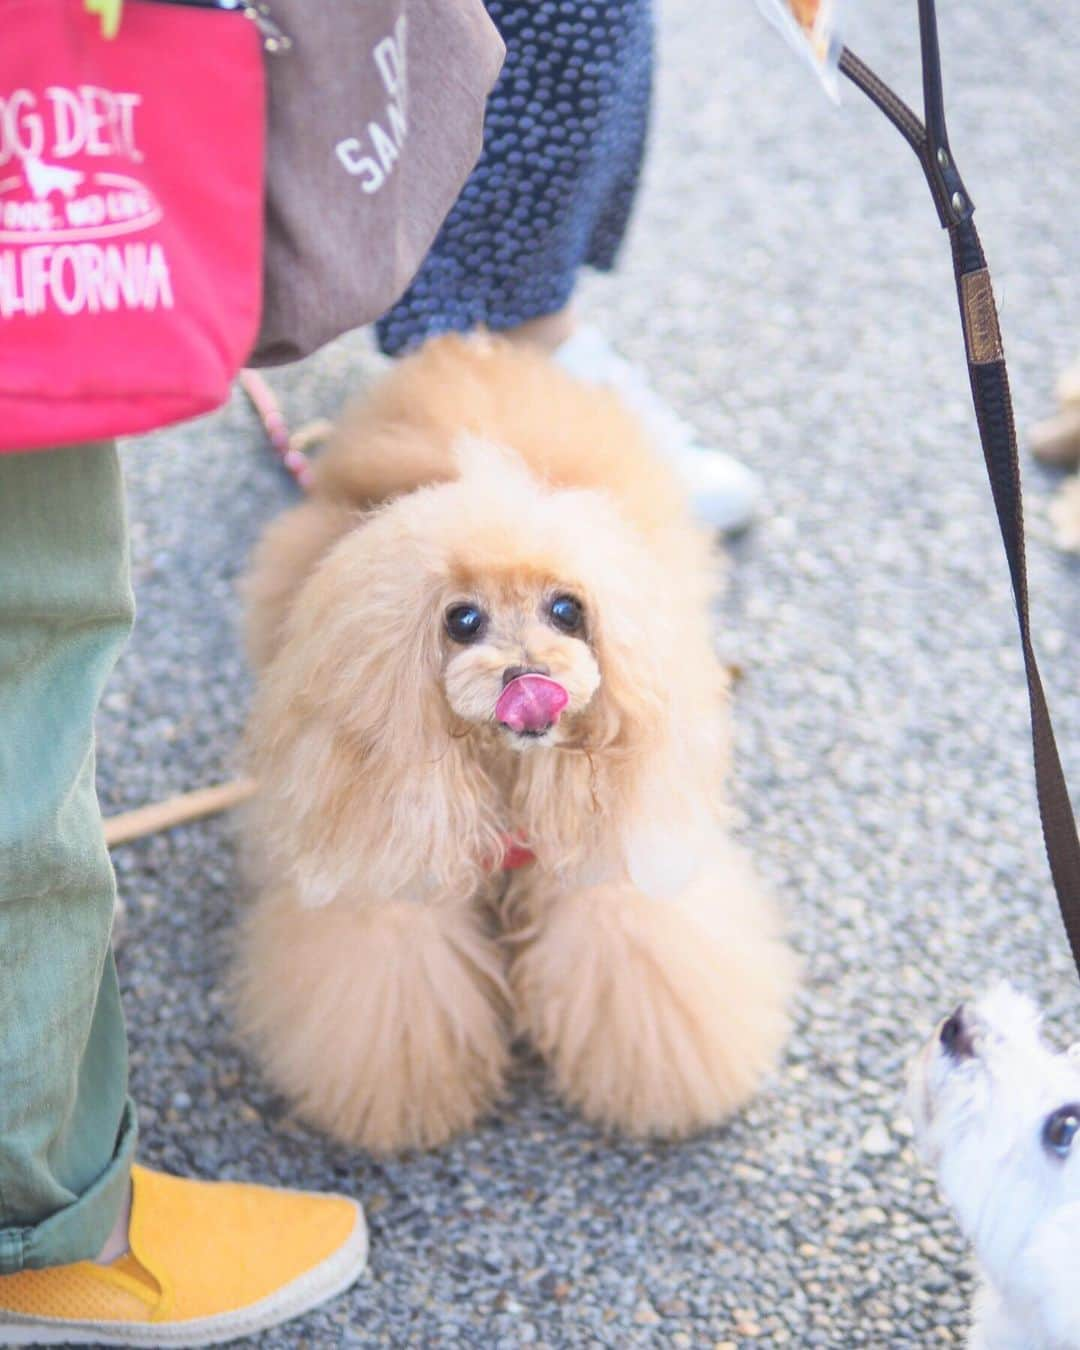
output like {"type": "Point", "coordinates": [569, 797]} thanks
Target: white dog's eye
{"type": "Point", "coordinates": [1061, 1128]}
{"type": "Point", "coordinates": [465, 623]}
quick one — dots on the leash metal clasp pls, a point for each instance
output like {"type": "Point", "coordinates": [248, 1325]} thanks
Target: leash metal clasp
{"type": "Point", "coordinates": [953, 201]}
{"type": "Point", "coordinates": [930, 141]}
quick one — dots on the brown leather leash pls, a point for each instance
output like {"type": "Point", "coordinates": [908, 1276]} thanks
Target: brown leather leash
{"type": "Point", "coordinates": [994, 414]}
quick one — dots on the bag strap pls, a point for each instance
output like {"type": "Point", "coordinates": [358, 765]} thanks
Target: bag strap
{"type": "Point", "coordinates": [994, 414]}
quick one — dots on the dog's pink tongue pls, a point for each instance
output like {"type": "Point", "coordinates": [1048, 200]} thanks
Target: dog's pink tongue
{"type": "Point", "coordinates": [531, 703]}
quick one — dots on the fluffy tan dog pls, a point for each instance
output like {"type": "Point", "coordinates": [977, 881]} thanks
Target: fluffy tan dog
{"type": "Point", "coordinates": [491, 624]}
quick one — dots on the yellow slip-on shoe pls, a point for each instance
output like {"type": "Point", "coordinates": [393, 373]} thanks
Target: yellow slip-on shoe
{"type": "Point", "coordinates": [208, 1261]}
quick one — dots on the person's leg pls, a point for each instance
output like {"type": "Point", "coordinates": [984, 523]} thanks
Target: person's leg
{"type": "Point", "coordinates": [67, 1130]}
{"type": "Point", "coordinates": [199, 1262]}
{"type": "Point", "coordinates": [564, 140]}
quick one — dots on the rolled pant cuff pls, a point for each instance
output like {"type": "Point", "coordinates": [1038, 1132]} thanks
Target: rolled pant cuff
{"type": "Point", "coordinates": [78, 1231]}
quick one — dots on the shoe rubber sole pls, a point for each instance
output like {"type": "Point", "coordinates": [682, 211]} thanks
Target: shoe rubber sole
{"type": "Point", "coordinates": [333, 1276]}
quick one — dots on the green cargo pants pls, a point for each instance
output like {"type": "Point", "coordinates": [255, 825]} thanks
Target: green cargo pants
{"type": "Point", "coordinates": [67, 1128]}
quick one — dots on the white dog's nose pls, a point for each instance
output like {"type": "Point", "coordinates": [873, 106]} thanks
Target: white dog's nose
{"type": "Point", "coordinates": [955, 1036]}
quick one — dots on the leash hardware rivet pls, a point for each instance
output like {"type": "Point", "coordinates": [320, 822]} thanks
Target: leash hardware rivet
{"type": "Point", "coordinates": [943, 157]}
{"type": "Point", "coordinates": [958, 201]}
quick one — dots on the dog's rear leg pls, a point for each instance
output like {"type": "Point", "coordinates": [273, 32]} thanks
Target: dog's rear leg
{"type": "Point", "coordinates": [384, 1023]}
{"type": "Point", "coordinates": [657, 1016]}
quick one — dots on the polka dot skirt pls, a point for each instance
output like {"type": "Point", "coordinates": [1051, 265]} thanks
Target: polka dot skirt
{"type": "Point", "coordinates": [563, 146]}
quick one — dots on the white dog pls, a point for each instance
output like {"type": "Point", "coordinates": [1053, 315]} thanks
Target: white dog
{"type": "Point", "coordinates": [997, 1113]}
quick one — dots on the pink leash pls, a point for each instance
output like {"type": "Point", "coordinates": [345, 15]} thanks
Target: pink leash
{"type": "Point", "coordinates": [289, 449]}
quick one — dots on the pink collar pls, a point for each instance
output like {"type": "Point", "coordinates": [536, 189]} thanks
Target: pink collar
{"type": "Point", "coordinates": [516, 854]}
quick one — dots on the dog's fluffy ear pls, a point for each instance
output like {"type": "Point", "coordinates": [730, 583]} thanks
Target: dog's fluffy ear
{"type": "Point", "coordinates": [660, 674]}
{"type": "Point", "coordinates": [655, 731]}
{"type": "Point", "coordinates": [363, 785]}
{"type": "Point", "coordinates": [632, 704]}
{"type": "Point", "coordinates": [285, 556]}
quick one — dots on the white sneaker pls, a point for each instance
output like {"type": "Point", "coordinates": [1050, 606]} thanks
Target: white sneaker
{"type": "Point", "coordinates": [723, 492]}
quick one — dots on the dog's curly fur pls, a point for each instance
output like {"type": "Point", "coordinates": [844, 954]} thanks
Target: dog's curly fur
{"type": "Point", "coordinates": [382, 965]}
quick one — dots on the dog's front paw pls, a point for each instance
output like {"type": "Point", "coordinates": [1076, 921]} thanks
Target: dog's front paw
{"type": "Point", "coordinates": [384, 1024]}
{"type": "Point", "coordinates": [653, 1021]}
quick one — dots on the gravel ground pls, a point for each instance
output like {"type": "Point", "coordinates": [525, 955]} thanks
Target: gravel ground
{"type": "Point", "coordinates": [789, 288]}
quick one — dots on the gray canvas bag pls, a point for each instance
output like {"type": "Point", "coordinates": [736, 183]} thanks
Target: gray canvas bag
{"type": "Point", "coordinates": [376, 118]}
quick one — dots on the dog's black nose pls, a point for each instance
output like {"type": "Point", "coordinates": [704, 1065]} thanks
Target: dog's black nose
{"type": "Point", "coordinates": [514, 672]}
{"type": "Point", "coordinates": [956, 1036]}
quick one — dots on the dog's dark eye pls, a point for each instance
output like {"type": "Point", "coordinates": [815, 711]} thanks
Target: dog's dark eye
{"type": "Point", "coordinates": [1061, 1128]}
{"type": "Point", "coordinates": [567, 614]}
{"type": "Point", "coordinates": [465, 623]}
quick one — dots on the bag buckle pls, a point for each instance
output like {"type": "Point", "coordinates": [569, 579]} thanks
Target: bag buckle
{"type": "Point", "coordinates": [274, 39]}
